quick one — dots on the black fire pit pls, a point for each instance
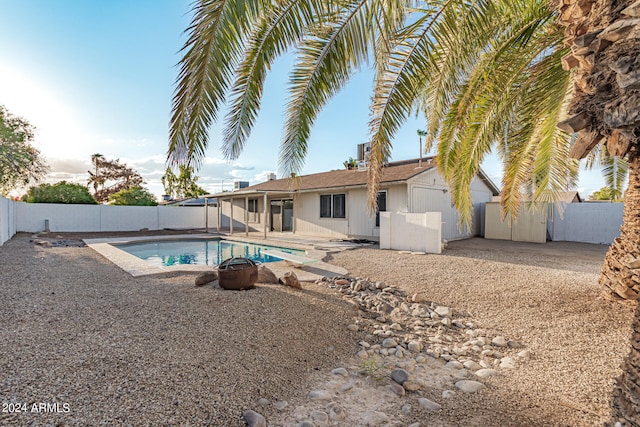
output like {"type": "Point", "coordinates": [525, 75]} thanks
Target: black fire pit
{"type": "Point", "coordinates": [237, 274]}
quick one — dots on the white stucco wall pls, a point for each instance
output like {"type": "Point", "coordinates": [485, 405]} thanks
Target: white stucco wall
{"type": "Point", "coordinates": [418, 232]}
{"type": "Point", "coordinates": [429, 193]}
{"type": "Point", "coordinates": [96, 218]}
{"type": "Point", "coordinates": [7, 219]}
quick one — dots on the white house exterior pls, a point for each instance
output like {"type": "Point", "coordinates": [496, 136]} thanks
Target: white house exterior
{"type": "Point", "coordinates": [334, 204]}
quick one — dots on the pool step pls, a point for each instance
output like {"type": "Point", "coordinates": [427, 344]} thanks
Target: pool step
{"type": "Point", "coordinates": [296, 259]}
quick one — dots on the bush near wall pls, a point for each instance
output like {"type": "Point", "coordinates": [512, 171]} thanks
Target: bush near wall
{"type": "Point", "coordinates": [61, 192]}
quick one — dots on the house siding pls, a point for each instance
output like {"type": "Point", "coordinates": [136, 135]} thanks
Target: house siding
{"type": "Point", "coordinates": [306, 212]}
{"type": "Point", "coordinates": [429, 193]}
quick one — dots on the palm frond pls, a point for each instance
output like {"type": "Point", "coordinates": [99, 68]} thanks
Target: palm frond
{"type": "Point", "coordinates": [273, 35]}
{"type": "Point", "coordinates": [326, 61]}
{"type": "Point", "coordinates": [212, 51]}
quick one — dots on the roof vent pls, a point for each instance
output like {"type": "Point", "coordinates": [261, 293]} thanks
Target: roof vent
{"type": "Point", "coordinates": [363, 152]}
{"type": "Point", "coordinates": [271, 177]}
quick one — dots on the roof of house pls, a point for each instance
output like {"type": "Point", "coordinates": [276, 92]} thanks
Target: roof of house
{"type": "Point", "coordinates": [399, 171]}
{"type": "Point", "coordinates": [570, 197]}
{"type": "Point", "coordinates": [190, 201]}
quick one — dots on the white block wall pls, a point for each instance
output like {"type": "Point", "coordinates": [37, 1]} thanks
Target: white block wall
{"type": "Point", "coordinates": [96, 218]}
{"type": "Point", "coordinates": [418, 232]}
{"type": "Point", "coordinates": [586, 222]}
{"type": "Point", "coordinates": [7, 219]}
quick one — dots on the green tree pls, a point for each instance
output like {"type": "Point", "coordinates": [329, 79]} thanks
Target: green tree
{"type": "Point", "coordinates": [60, 192]}
{"type": "Point", "coordinates": [607, 193]}
{"type": "Point", "coordinates": [136, 196]}
{"type": "Point", "coordinates": [20, 162]}
{"type": "Point", "coordinates": [182, 186]}
{"type": "Point", "coordinates": [111, 176]}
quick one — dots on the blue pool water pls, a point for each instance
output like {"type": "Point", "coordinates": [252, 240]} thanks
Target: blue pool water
{"type": "Point", "coordinates": [200, 251]}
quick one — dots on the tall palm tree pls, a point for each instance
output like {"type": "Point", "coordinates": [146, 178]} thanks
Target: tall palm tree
{"type": "Point", "coordinates": [606, 110]}
{"type": "Point", "coordinates": [487, 73]}
{"type": "Point", "coordinates": [604, 39]}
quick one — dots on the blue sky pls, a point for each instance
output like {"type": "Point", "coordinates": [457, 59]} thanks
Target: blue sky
{"type": "Point", "coordinates": [98, 77]}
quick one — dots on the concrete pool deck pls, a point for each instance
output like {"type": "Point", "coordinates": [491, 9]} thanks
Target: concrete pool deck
{"type": "Point", "coordinates": [138, 267]}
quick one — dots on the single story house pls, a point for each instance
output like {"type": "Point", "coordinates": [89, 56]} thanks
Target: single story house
{"type": "Point", "coordinates": [334, 204]}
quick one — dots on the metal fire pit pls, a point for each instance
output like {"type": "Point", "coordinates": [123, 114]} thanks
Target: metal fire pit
{"type": "Point", "coordinates": [237, 274]}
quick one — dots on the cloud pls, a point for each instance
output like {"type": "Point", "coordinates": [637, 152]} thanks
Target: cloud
{"type": "Point", "coordinates": [69, 166]}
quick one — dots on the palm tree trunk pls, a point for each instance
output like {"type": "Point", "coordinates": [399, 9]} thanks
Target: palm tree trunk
{"type": "Point", "coordinates": [626, 394]}
{"type": "Point", "coordinates": [620, 274]}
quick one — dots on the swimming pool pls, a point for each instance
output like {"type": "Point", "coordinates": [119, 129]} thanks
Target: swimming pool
{"type": "Point", "coordinates": [166, 253]}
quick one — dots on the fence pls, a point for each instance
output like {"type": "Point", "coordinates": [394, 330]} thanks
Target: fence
{"type": "Point", "coordinates": [7, 219]}
{"type": "Point", "coordinates": [580, 222]}
{"type": "Point", "coordinates": [592, 222]}
{"type": "Point", "coordinates": [35, 217]}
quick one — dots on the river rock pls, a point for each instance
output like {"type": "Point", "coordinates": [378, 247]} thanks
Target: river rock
{"type": "Point", "coordinates": [412, 385]}
{"type": "Point", "coordinates": [336, 412]}
{"type": "Point", "coordinates": [340, 371]}
{"type": "Point", "coordinates": [454, 364]}
{"type": "Point", "coordinates": [397, 389]}
{"type": "Point", "coordinates": [469, 386]}
{"type": "Point", "coordinates": [443, 311]}
{"type": "Point", "coordinates": [399, 376]}
{"type": "Point", "coordinates": [206, 277]}
{"type": "Point", "coordinates": [374, 418]}
{"type": "Point", "coordinates": [290, 279]}
{"type": "Point", "coordinates": [429, 404]}
{"type": "Point", "coordinates": [265, 275]}
{"type": "Point", "coordinates": [320, 417]}
{"type": "Point", "coordinates": [254, 419]}
{"type": "Point", "coordinates": [263, 402]}
{"type": "Point", "coordinates": [499, 342]}
{"type": "Point", "coordinates": [389, 343]}
{"type": "Point", "coordinates": [280, 405]}
{"type": "Point", "coordinates": [487, 372]}
{"type": "Point", "coordinates": [471, 365]}
{"type": "Point", "coordinates": [414, 346]}
{"type": "Point", "coordinates": [507, 363]}
{"type": "Point", "coordinates": [319, 395]}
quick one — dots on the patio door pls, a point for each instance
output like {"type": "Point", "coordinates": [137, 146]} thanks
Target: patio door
{"type": "Point", "coordinates": [281, 215]}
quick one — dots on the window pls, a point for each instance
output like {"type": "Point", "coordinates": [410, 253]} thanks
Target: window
{"type": "Point", "coordinates": [382, 206]}
{"type": "Point", "coordinates": [252, 209]}
{"type": "Point", "coordinates": [333, 206]}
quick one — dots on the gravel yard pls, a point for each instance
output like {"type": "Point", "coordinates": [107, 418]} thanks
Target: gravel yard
{"type": "Point", "coordinates": [119, 350]}
{"type": "Point", "coordinates": [545, 296]}
{"type": "Point", "coordinates": [110, 349]}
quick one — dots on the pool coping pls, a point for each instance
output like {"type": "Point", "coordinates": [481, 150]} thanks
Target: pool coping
{"type": "Point", "coordinates": [138, 267]}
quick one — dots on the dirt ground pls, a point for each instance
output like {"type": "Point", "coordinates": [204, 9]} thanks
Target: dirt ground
{"type": "Point", "coordinates": [157, 351]}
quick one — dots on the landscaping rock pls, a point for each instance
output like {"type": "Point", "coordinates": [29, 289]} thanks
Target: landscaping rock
{"type": "Point", "coordinates": [290, 279]}
{"type": "Point", "coordinates": [399, 376]}
{"type": "Point", "coordinates": [429, 404]}
{"type": "Point", "coordinates": [207, 277]}
{"type": "Point", "coordinates": [469, 386]}
{"type": "Point", "coordinates": [254, 419]}
{"type": "Point", "coordinates": [265, 275]}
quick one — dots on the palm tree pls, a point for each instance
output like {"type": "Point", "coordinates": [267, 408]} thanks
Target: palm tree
{"type": "Point", "coordinates": [488, 74]}
{"type": "Point", "coordinates": [604, 40]}
{"type": "Point", "coordinates": [421, 133]}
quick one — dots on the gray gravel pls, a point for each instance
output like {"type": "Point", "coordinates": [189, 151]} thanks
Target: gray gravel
{"type": "Point", "coordinates": [118, 350]}
{"type": "Point", "coordinates": [545, 296]}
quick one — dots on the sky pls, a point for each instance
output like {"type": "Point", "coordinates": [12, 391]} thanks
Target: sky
{"type": "Point", "coordinates": [98, 77]}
